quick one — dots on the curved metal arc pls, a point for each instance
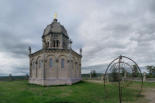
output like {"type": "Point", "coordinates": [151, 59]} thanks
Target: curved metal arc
{"type": "Point", "coordinates": [108, 68]}
{"type": "Point", "coordinates": [121, 63]}
{"type": "Point", "coordinates": [111, 63]}
{"type": "Point", "coordinates": [135, 63]}
{"type": "Point", "coordinates": [125, 62]}
{"type": "Point", "coordinates": [137, 67]}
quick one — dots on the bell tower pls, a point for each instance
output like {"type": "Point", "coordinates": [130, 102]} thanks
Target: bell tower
{"type": "Point", "coordinates": [55, 36]}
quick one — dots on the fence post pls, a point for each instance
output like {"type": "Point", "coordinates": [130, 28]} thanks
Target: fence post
{"type": "Point", "coordinates": [90, 75]}
{"type": "Point", "coordinates": [144, 76]}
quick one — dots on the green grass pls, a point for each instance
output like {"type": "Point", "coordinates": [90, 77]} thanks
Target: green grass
{"type": "Point", "coordinates": [83, 92]}
{"type": "Point", "coordinates": [149, 85]}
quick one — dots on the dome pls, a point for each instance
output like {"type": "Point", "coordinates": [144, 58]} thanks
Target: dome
{"type": "Point", "coordinates": [55, 27]}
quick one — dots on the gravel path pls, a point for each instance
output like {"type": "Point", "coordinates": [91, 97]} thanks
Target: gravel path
{"type": "Point", "coordinates": [150, 95]}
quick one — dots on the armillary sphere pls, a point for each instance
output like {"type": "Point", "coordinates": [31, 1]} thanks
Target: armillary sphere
{"type": "Point", "coordinates": [124, 78]}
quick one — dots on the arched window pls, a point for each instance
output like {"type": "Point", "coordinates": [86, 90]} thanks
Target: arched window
{"type": "Point", "coordinates": [50, 62]}
{"type": "Point", "coordinates": [53, 43]}
{"type": "Point", "coordinates": [40, 63]}
{"type": "Point", "coordinates": [33, 65]}
{"type": "Point", "coordinates": [48, 44]}
{"type": "Point", "coordinates": [62, 63]}
{"type": "Point", "coordinates": [57, 43]}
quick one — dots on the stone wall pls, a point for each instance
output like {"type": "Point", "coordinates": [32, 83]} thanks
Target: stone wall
{"type": "Point", "coordinates": [42, 73]}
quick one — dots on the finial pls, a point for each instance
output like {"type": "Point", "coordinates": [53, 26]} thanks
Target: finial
{"type": "Point", "coordinates": [70, 44]}
{"type": "Point", "coordinates": [120, 57]}
{"type": "Point", "coordinates": [29, 50]}
{"type": "Point", "coordinates": [55, 16]}
{"type": "Point", "coordinates": [80, 51]}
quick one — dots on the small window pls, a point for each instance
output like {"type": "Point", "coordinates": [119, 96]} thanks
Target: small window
{"type": "Point", "coordinates": [62, 63]}
{"type": "Point", "coordinates": [50, 62]}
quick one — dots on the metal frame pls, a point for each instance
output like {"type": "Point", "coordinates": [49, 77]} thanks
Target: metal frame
{"type": "Point", "coordinates": [119, 62]}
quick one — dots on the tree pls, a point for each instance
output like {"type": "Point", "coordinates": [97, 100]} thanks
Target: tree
{"type": "Point", "coordinates": [11, 77]}
{"type": "Point", "coordinates": [115, 75]}
{"type": "Point", "coordinates": [122, 71]}
{"type": "Point", "coordinates": [93, 73]}
{"type": "Point", "coordinates": [26, 76]}
{"type": "Point", "coordinates": [135, 71]}
{"type": "Point", "coordinates": [151, 70]}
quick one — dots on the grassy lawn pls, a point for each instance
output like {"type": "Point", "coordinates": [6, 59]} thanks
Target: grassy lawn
{"type": "Point", "coordinates": [83, 92]}
{"type": "Point", "coordinates": [149, 85]}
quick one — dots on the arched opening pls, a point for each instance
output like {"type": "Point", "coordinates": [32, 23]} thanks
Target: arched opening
{"type": "Point", "coordinates": [40, 64]}
{"type": "Point", "coordinates": [48, 44]}
{"type": "Point", "coordinates": [53, 43]}
{"type": "Point", "coordinates": [62, 63]}
{"type": "Point", "coordinates": [50, 62]}
{"type": "Point", "coordinates": [57, 43]}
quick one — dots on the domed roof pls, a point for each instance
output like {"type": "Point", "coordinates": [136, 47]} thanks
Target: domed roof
{"type": "Point", "coordinates": [55, 27]}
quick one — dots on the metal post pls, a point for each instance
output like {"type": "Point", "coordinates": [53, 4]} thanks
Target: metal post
{"type": "Point", "coordinates": [120, 99]}
{"type": "Point", "coordinates": [119, 68]}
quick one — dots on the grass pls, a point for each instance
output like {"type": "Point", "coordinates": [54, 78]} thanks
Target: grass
{"type": "Point", "coordinates": [83, 92]}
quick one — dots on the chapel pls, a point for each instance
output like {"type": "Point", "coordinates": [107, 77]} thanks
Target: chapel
{"type": "Point", "coordinates": [56, 63]}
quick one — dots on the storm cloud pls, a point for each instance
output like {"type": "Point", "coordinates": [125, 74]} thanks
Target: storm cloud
{"type": "Point", "coordinates": [104, 29]}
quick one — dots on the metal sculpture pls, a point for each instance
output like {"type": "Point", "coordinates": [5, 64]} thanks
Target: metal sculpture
{"type": "Point", "coordinates": [123, 71]}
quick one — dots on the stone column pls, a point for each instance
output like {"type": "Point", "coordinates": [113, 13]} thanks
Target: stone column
{"type": "Point", "coordinates": [36, 68]}
{"type": "Point", "coordinates": [30, 63]}
{"type": "Point", "coordinates": [90, 75]}
{"type": "Point", "coordinates": [43, 43]}
{"type": "Point", "coordinates": [57, 68]}
{"type": "Point", "coordinates": [107, 78]}
{"type": "Point", "coordinates": [61, 41]}
{"type": "Point", "coordinates": [30, 68]}
{"type": "Point", "coordinates": [44, 61]}
{"type": "Point", "coordinates": [50, 42]}
{"type": "Point", "coordinates": [102, 77]}
{"type": "Point", "coordinates": [144, 76]}
{"type": "Point", "coordinates": [80, 70]}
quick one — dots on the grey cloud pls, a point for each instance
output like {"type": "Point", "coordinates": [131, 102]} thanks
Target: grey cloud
{"type": "Point", "coordinates": [105, 29]}
{"type": "Point", "coordinates": [130, 32]}
{"type": "Point", "coordinates": [13, 45]}
{"type": "Point", "coordinates": [18, 70]}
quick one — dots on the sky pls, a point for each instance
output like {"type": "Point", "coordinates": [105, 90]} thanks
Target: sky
{"type": "Point", "coordinates": [104, 29]}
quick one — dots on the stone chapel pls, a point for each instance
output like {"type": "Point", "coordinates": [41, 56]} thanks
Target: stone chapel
{"type": "Point", "coordinates": [56, 63]}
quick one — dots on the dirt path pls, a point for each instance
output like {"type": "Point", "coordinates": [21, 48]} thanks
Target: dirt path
{"type": "Point", "coordinates": [150, 94]}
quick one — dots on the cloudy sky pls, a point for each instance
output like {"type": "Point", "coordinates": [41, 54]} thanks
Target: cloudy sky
{"type": "Point", "coordinates": [103, 28]}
